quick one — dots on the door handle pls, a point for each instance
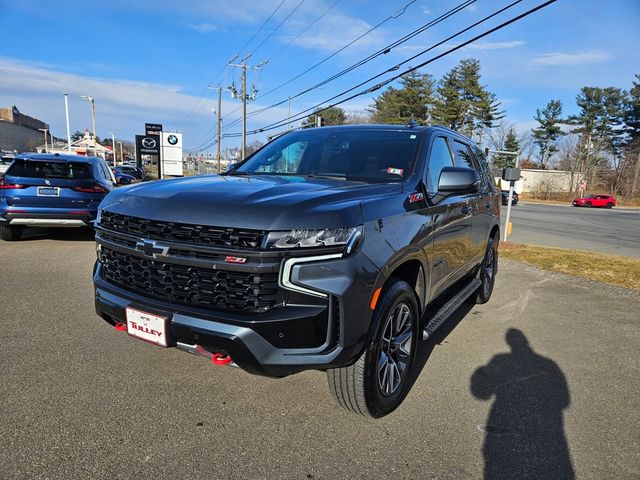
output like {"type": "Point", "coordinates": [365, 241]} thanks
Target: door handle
{"type": "Point", "coordinates": [466, 210]}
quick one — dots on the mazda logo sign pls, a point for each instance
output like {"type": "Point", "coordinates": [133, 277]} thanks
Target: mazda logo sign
{"type": "Point", "coordinates": [149, 142]}
{"type": "Point", "coordinates": [172, 139]}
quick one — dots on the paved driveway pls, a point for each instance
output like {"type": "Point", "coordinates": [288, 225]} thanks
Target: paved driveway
{"type": "Point", "coordinates": [543, 379]}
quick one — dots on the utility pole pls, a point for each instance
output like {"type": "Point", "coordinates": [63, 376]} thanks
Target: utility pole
{"type": "Point", "coordinates": [121, 154]}
{"type": "Point", "coordinates": [66, 111]}
{"type": "Point", "coordinates": [219, 127]}
{"type": "Point", "coordinates": [244, 96]}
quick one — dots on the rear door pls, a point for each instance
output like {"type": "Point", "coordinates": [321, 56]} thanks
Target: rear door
{"type": "Point", "coordinates": [451, 220]}
{"type": "Point", "coordinates": [49, 183]}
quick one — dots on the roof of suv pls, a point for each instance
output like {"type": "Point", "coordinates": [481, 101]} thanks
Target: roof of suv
{"type": "Point", "coordinates": [49, 157]}
{"type": "Point", "coordinates": [389, 126]}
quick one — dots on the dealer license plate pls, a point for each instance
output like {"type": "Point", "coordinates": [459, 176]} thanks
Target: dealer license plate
{"type": "Point", "coordinates": [146, 326]}
{"type": "Point", "coordinates": [48, 192]}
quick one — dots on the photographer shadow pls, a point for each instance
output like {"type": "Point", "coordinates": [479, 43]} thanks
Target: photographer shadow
{"type": "Point", "coordinates": [524, 434]}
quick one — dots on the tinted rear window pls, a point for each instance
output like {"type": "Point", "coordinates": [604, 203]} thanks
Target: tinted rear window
{"type": "Point", "coordinates": [39, 169]}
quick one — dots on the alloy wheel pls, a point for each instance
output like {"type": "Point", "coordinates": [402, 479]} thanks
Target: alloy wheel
{"type": "Point", "coordinates": [489, 269]}
{"type": "Point", "coordinates": [395, 349]}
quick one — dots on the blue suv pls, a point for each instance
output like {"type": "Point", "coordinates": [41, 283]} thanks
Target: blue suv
{"type": "Point", "coordinates": [51, 190]}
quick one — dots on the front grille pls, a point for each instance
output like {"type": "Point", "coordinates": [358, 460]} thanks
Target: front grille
{"type": "Point", "coordinates": [182, 232]}
{"type": "Point", "coordinates": [192, 286]}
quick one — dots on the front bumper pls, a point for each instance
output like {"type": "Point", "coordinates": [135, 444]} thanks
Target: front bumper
{"type": "Point", "coordinates": [307, 332]}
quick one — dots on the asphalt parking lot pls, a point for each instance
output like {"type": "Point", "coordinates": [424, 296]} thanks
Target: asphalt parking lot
{"type": "Point", "coordinates": [541, 382]}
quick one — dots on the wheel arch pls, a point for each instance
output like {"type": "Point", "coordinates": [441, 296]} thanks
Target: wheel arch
{"type": "Point", "coordinates": [414, 273]}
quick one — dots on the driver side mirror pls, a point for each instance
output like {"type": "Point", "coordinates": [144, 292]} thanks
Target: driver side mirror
{"type": "Point", "coordinates": [458, 180]}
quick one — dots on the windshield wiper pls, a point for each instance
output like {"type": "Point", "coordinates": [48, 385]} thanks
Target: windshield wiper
{"type": "Point", "coordinates": [327, 175]}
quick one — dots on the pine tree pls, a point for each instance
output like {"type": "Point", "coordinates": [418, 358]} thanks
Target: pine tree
{"type": "Point", "coordinates": [632, 111]}
{"type": "Point", "coordinates": [549, 130]}
{"type": "Point", "coordinates": [599, 123]}
{"type": "Point", "coordinates": [329, 116]}
{"type": "Point", "coordinates": [511, 144]}
{"type": "Point", "coordinates": [413, 100]}
{"type": "Point", "coordinates": [463, 103]}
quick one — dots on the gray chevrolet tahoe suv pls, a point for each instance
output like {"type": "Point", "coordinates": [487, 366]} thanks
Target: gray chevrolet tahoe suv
{"type": "Point", "coordinates": [334, 248]}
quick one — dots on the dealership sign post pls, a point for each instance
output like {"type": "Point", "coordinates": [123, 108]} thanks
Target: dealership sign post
{"type": "Point", "coordinates": [172, 154]}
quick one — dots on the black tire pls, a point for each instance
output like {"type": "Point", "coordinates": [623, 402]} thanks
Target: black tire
{"type": "Point", "coordinates": [10, 234]}
{"type": "Point", "coordinates": [609, 205]}
{"type": "Point", "coordinates": [367, 387]}
{"type": "Point", "coordinates": [487, 274]}
{"type": "Point", "coordinates": [588, 205]}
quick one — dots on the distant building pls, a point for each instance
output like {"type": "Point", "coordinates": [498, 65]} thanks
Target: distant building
{"type": "Point", "coordinates": [539, 181]}
{"type": "Point", "coordinates": [19, 131]}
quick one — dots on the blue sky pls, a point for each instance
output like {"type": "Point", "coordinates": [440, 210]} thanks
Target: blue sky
{"type": "Point", "coordinates": [153, 60]}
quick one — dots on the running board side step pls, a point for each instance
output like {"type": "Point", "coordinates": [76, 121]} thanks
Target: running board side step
{"type": "Point", "coordinates": [448, 308]}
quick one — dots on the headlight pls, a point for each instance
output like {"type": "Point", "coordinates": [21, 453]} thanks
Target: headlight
{"type": "Point", "coordinates": [98, 216]}
{"type": "Point", "coordinates": [305, 238]}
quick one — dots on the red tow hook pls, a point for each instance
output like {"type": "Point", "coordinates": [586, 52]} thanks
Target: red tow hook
{"type": "Point", "coordinates": [219, 359]}
{"type": "Point", "coordinates": [121, 327]}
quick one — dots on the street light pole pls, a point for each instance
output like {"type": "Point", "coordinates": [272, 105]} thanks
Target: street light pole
{"type": "Point", "coordinates": [113, 147]}
{"type": "Point", "coordinates": [93, 118]}
{"type": "Point", "coordinates": [66, 111]}
{"type": "Point", "coordinates": [46, 146]}
{"type": "Point", "coordinates": [219, 127]}
{"type": "Point", "coordinates": [121, 154]}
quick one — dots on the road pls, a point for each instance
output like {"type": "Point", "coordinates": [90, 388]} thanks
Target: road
{"type": "Point", "coordinates": [80, 400]}
{"type": "Point", "coordinates": [615, 231]}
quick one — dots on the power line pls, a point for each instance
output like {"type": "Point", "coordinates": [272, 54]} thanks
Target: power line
{"type": "Point", "coordinates": [203, 94]}
{"type": "Point", "coordinates": [281, 123]}
{"type": "Point", "coordinates": [261, 27]}
{"type": "Point", "coordinates": [382, 51]}
{"type": "Point", "coordinates": [276, 29]}
{"type": "Point", "coordinates": [397, 14]}
{"type": "Point", "coordinates": [306, 29]}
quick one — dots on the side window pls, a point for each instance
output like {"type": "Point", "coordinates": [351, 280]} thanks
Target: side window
{"type": "Point", "coordinates": [439, 157]}
{"type": "Point", "coordinates": [464, 158]}
{"type": "Point", "coordinates": [286, 160]}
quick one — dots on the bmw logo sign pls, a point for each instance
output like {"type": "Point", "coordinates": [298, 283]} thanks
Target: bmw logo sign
{"type": "Point", "coordinates": [172, 139]}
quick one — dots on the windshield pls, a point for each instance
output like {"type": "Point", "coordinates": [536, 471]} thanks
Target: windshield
{"type": "Point", "coordinates": [364, 155]}
{"type": "Point", "coordinates": [39, 169]}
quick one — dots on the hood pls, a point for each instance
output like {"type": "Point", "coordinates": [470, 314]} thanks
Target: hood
{"type": "Point", "coordinates": [253, 202]}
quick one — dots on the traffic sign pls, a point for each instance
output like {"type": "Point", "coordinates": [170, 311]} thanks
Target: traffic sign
{"type": "Point", "coordinates": [582, 185]}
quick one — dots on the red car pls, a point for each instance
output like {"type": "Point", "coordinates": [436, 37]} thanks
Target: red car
{"type": "Point", "coordinates": [606, 201]}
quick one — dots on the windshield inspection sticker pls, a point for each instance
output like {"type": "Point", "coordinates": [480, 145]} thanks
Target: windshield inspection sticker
{"type": "Point", "coordinates": [395, 171]}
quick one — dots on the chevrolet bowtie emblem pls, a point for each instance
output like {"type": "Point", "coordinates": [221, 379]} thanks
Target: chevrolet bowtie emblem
{"type": "Point", "coordinates": [151, 248]}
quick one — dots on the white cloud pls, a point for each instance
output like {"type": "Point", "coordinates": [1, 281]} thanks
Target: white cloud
{"type": "Point", "coordinates": [480, 46]}
{"type": "Point", "coordinates": [426, 11]}
{"type": "Point", "coordinates": [122, 106]}
{"type": "Point", "coordinates": [578, 58]}
{"type": "Point", "coordinates": [204, 27]}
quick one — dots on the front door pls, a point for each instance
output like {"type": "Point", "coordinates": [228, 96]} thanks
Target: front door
{"type": "Point", "coordinates": [449, 252]}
